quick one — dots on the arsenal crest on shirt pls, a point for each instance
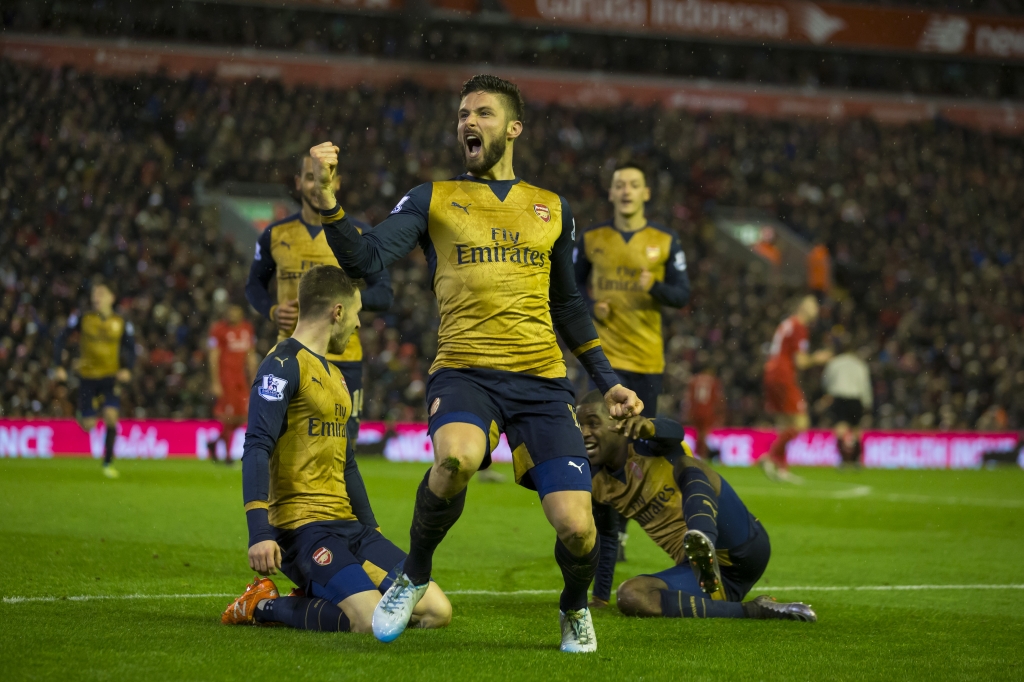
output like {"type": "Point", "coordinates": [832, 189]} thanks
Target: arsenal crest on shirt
{"type": "Point", "coordinates": [542, 212]}
{"type": "Point", "coordinates": [323, 556]}
{"type": "Point", "coordinates": [653, 252]}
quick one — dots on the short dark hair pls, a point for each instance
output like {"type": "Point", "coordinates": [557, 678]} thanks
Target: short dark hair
{"type": "Point", "coordinates": [627, 166]}
{"type": "Point", "coordinates": [594, 397]}
{"type": "Point", "coordinates": [320, 288]}
{"type": "Point", "coordinates": [507, 90]}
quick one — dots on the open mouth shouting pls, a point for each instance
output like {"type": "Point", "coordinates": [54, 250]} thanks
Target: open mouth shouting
{"type": "Point", "coordinates": [592, 446]}
{"type": "Point", "coordinates": [474, 146]}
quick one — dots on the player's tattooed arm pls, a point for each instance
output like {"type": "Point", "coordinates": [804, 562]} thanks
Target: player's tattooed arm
{"type": "Point", "coordinates": [674, 291]}
{"type": "Point", "coordinates": [363, 254]}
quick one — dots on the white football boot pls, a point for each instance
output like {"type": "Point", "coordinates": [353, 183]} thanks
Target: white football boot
{"type": "Point", "coordinates": [578, 636]}
{"type": "Point", "coordinates": [394, 610]}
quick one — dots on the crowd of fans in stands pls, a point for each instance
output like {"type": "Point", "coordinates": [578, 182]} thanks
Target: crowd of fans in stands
{"type": "Point", "coordinates": [492, 38]}
{"type": "Point", "coordinates": [100, 176]}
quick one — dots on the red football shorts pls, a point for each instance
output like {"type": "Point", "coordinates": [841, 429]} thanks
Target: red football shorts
{"type": "Point", "coordinates": [783, 397]}
{"type": "Point", "coordinates": [234, 402]}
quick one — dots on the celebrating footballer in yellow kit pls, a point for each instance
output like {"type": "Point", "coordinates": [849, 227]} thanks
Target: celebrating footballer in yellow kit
{"type": "Point", "coordinates": [302, 491]}
{"type": "Point", "coordinates": [500, 251]}
{"type": "Point", "coordinates": [632, 267]}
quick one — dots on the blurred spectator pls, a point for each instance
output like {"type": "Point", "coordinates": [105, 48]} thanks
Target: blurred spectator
{"type": "Point", "coordinates": [101, 175]}
{"type": "Point", "coordinates": [819, 270]}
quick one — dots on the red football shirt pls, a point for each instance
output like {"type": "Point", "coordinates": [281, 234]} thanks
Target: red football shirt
{"type": "Point", "coordinates": [706, 398]}
{"type": "Point", "coordinates": [235, 343]}
{"type": "Point", "coordinates": [790, 338]}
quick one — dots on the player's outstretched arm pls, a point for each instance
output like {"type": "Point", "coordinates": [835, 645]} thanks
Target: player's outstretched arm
{"type": "Point", "coordinates": [276, 382]}
{"type": "Point", "coordinates": [674, 290]}
{"type": "Point", "coordinates": [59, 373]}
{"type": "Point", "coordinates": [363, 254]}
{"type": "Point", "coordinates": [572, 321]}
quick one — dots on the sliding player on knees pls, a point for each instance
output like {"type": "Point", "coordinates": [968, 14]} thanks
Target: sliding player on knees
{"type": "Point", "coordinates": [500, 252]}
{"type": "Point", "coordinates": [644, 471]}
{"type": "Point", "coordinates": [300, 488]}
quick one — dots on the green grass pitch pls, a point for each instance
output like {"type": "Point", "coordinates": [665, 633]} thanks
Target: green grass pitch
{"type": "Point", "coordinates": [177, 528]}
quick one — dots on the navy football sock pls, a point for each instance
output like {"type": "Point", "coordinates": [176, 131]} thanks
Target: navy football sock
{"type": "Point", "coordinates": [700, 503]}
{"type": "Point", "coordinates": [303, 613]}
{"type": "Point", "coordinates": [676, 604]}
{"type": "Point", "coordinates": [577, 572]}
{"type": "Point", "coordinates": [108, 445]}
{"type": "Point", "coordinates": [432, 518]}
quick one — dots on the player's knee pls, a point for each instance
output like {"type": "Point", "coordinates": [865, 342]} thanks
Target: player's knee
{"type": "Point", "coordinates": [577, 532]}
{"type": "Point", "coordinates": [438, 613]}
{"type": "Point", "coordinates": [634, 599]}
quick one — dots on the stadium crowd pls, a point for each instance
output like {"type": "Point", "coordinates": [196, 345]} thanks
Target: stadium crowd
{"type": "Point", "coordinates": [491, 38]}
{"type": "Point", "coordinates": [101, 176]}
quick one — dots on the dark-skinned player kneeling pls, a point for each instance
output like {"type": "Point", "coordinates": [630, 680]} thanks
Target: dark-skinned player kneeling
{"type": "Point", "coordinates": [644, 470]}
{"type": "Point", "coordinates": [303, 493]}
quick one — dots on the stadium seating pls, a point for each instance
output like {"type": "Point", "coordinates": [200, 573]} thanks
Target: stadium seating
{"type": "Point", "coordinates": [100, 176]}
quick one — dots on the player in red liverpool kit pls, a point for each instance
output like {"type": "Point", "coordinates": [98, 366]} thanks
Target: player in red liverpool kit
{"type": "Point", "coordinates": [705, 407]}
{"type": "Point", "coordinates": [233, 361]}
{"type": "Point", "coordinates": [783, 397]}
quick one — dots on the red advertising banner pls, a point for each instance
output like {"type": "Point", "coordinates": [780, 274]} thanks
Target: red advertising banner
{"type": "Point", "coordinates": [822, 24]}
{"type": "Point", "coordinates": [544, 86]}
{"type": "Point", "coordinates": [409, 442]}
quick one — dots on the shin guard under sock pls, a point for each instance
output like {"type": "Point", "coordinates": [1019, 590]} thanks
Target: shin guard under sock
{"type": "Point", "coordinates": [676, 604]}
{"type": "Point", "coordinates": [108, 445]}
{"type": "Point", "coordinates": [432, 518]}
{"type": "Point", "coordinates": [577, 572]}
{"type": "Point", "coordinates": [303, 613]}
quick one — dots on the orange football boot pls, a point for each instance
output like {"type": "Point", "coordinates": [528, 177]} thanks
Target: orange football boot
{"type": "Point", "coordinates": [239, 612]}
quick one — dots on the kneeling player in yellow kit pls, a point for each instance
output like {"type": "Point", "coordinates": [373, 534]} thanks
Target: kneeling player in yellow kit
{"type": "Point", "coordinates": [642, 469]}
{"type": "Point", "coordinates": [300, 486]}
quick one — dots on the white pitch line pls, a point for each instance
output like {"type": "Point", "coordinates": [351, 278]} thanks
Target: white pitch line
{"type": "Point", "coordinates": [525, 593]}
{"type": "Point", "coordinates": [867, 494]}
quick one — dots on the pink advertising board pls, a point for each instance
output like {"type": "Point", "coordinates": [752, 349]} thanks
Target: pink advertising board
{"type": "Point", "coordinates": [409, 442]}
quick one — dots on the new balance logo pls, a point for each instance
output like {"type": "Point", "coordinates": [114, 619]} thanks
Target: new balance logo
{"type": "Point", "coordinates": [464, 208]}
{"type": "Point", "coordinates": [578, 466]}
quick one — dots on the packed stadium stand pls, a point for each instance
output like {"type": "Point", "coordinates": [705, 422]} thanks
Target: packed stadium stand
{"type": "Point", "coordinates": [488, 35]}
{"type": "Point", "coordinates": [102, 176]}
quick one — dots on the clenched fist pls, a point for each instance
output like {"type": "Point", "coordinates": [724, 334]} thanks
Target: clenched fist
{"type": "Point", "coordinates": [325, 166]}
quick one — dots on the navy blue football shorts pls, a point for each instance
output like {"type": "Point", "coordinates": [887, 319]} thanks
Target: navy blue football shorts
{"type": "Point", "coordinates": [96, 394]}
{"type": "Point", "coordinates": [333, 560]}
{"type": "Point", "coordinates": [742, 566]}
{"type": "Point", "coordinates": [537, 416]}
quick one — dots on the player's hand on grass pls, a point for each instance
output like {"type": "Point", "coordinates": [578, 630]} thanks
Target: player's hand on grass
{"type": "Point", "coordinates": [635, 427]}
{"type": "Point", "coordinates": [646, 280]}
{"type": "Point", "coordinates": [596, 603]}
{"type": "Point", "coordinates": [124, 376]}
{"type": "Point", "coordinates": [602, 309]}
{"type": "Point", "coordinates": [622, 402]}
{"type": "Point", "coordinates": [265, 557]}
{"type": "Point", "coordinates": [60, 374]}
{"type": "Point", "coordinates": [286, 315]}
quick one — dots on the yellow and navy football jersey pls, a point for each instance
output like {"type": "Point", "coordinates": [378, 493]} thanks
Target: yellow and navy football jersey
{"type": "Point", "coordinates": [287, 249]}
{"type": "Point", "coordinates": [609, 262]}
{"type": "Point", "coordinates": [646, 490]}
{"type": "Point", "coordinates": [500, 253]}
{"type": "Point", "coordinates": [298, 410]}
{"type": "Point", "coordinates": [102, 342]}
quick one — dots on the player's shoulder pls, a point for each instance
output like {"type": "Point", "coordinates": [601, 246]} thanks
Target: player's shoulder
{"type": "Point", "coordinates": [596, 228]}
{"type": "Point", "coordinates": [283, 355]}
{"type": "Point", "coordinates": [543, 194]}
{"type": "Point", "coordinates": [661, 227]}
{"type": "Point", "coordinates": [283, 222]}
